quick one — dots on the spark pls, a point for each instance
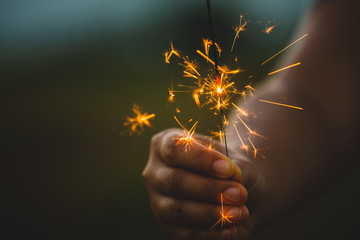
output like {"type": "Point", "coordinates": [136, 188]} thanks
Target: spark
{"type": "Point", "coordinates": [206, 57]}
{"type": "Point", "coordinates": [219, 50]}
{"type": "Point", "coordinates": [190, 66]}
{"type": "Point", "coordinates": [207, 43]}
{"type": "Point", "coordinates": [249, 129]}
{"type": "Point", "coordinates": [255, 150]}
{"type": "Point", "coordinates": [187, 138]}
{"type": "Point", "coordinates": [284, 68]}
{"type": "Point", "coordinates": [285, 48]}
{"type": "Point", "coordinates": [171, 94]}
{"type": "Point", "coordinates": [224, 219]}
{"type": "Point", "coordinates": [242, 142]}
{"type": "Point", "coordinates": [240, 110]}
{"type": "Point", "coordinates": [211, 145]}
{"type": "Point", "coordinates": [281, 104]}
{"type": "Point", "coordinates": [238, 28]}
{"type": "Point", "coordinates": [169, 53]}
{"type": "Point", "coordinates": [187, 74]}
{"type": "Point", "coordinates": [250, 89]}
{"type": "Point", "coordinates": [138, 121]}
{"type": "Point", "coordinates": [196, 99]}
{"type": "Point", "coordinates": [269, 29]}
{"type": "Point", "coordinates": [218, 134]}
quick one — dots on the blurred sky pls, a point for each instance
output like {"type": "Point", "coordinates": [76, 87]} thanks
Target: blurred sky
{"type": "Point", "coordinates": [70, 71]}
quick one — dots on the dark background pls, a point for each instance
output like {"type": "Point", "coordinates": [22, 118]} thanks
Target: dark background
{"type": "Point", "coordinates": [70, 72]}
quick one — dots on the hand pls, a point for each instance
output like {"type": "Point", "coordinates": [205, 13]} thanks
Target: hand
{"type": "Point", "coordinates": [185, 187]}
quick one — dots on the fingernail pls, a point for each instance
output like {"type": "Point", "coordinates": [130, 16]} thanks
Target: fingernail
{"type": "Point", "coordinates": [232, 194]}
{"type": "Point", "coordinates": [234, 214]}
{"type": "Point", "coordinates": [221, 167]}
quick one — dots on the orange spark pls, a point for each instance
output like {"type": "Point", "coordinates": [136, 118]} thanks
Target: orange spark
{"type": "Point", "coordinates": [219, 134]}
{"type": "Point", "coordinates": [219, 50]}
{"type": "Point", "coordinates": [138, 121]}
{"type": "Point", "coordinates": [240, 110]}
{"type": "Point", "coordinates": [196, 99]}
{"type": "Point", "coordinates": [171, 95]}
{"type": "Point", "coordinates": [269, 29]}
{"type": "Point", "coordinates": [249, 129]}
{"type": "Point", "coordinates": [207, 43]}
{"type": "Point", "coordinates": [284, 48]}
{"type": "Point", "coordinates": [186, 139]}
{"type": "Point", "coordinates": [224, 219]}
{"type": "Point", "coordinates": [169, 53]}
{"type": "Point", "coordinates": [250, 89]}
{"type": "Point", "coordinates": [255, 150]}
{"type": "Point", "coordinates": [206, 57]}
{"type": "Point", "coordinates": [242, 143]}
{"type": "Point", "coordinates": [282, 69]}
{"type": "Point", "coordinates": [190, 66]}
{"type": "Point", "coordinates": [281, 104]}
{"type": "Point", "coordinates": [238, 28]}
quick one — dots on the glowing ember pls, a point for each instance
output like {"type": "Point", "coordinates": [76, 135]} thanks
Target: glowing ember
{"type": "Point", "coordinates": [138, 121]}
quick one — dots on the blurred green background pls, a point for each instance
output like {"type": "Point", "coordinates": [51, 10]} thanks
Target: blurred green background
{"type": "Point", "coordinates": [70, 72]}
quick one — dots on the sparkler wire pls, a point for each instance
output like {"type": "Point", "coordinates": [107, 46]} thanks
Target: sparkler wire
{"type": "Point", "coordinates": [216, 70]}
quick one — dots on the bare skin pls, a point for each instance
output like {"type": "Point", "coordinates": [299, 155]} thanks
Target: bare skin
{"type": "Point", "coordinates": [308, 150]}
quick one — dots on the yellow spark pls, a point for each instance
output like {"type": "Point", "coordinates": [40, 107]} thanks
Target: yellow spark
{"type": "Point", "coordinates": [255, 150]}
{"type": "Point", "coordinates": [224, 219]}
{"type": "Point", "coordinates": [206, 57]}
{"type": "Point", "coordinates": [211, 145]}
{"type": "Point", "coordinates": [187, 74]}
{"type": "Point", "coordinates": [171, 95]}
{"type": "Point", "coordinates": [281, 104]}
{"type": "Point", "coordinates": [242, 143]}
{"type": "Point", "coordinates": [190, 66]}
{"type": "Point", "coordinates": [186, 139]}
{"type": "Point", "coordinates": [218, 134]}
{"type": "Point", "coordinates": [196, 99]}
{"type": "Point", "coordinates": [281, 69]}
{"type": "Point", "coordinates": [177, 110]}
{"type": "Point", "coordinates": [238, 28]}
{"type": "Point", "coordinates": [285, 48]}
{"type": "Point", "coordinates": [219, 50]}
{"type": "Point", "coordinates": [224, 69]}
{"type": "Point", "coordinates": [207, 43]}
{"type": "Point", "coordinates": [249, 129]}
{"type": "Point", "coordinates": [138, 121]}
{"type": "Point", "coordinates": [250, 89]}
{"type": "Point", "coordinates": [240, 110]}
{"type": "Point", "coordinates": [169, 53]}
{"type": "Point", "coordinates": [269, 29]}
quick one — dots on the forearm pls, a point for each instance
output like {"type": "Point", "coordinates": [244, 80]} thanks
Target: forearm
{"type": "Point", "coordinates": [309, 148]}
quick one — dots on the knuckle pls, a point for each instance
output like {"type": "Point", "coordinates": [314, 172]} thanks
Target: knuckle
{"type": "Point", "coordinates": [170, 150]}
{"type": "Point", "coordinates": [173, 180]}
{"type": "Point", "coordinates": [172, 208]}
{"type": "Point", "coordinates": [209, 190]}
{"type": "Point", "coordinates": [198, 158]}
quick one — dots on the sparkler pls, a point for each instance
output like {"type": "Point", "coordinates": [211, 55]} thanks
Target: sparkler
{"type": "Point", "coordinates": [138, 120]}
{"type": "Point", "coordinates": [215, 89]}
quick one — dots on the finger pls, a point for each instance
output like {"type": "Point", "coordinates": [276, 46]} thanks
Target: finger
{"type": "Point", "coordinates": [195, 214]}
{"type": "Point", "coordinates": [179, 232]}
{"type": "Point", "coordinates": [190, 186]}
{"type": "Point", "coordinates": [196, 157]}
